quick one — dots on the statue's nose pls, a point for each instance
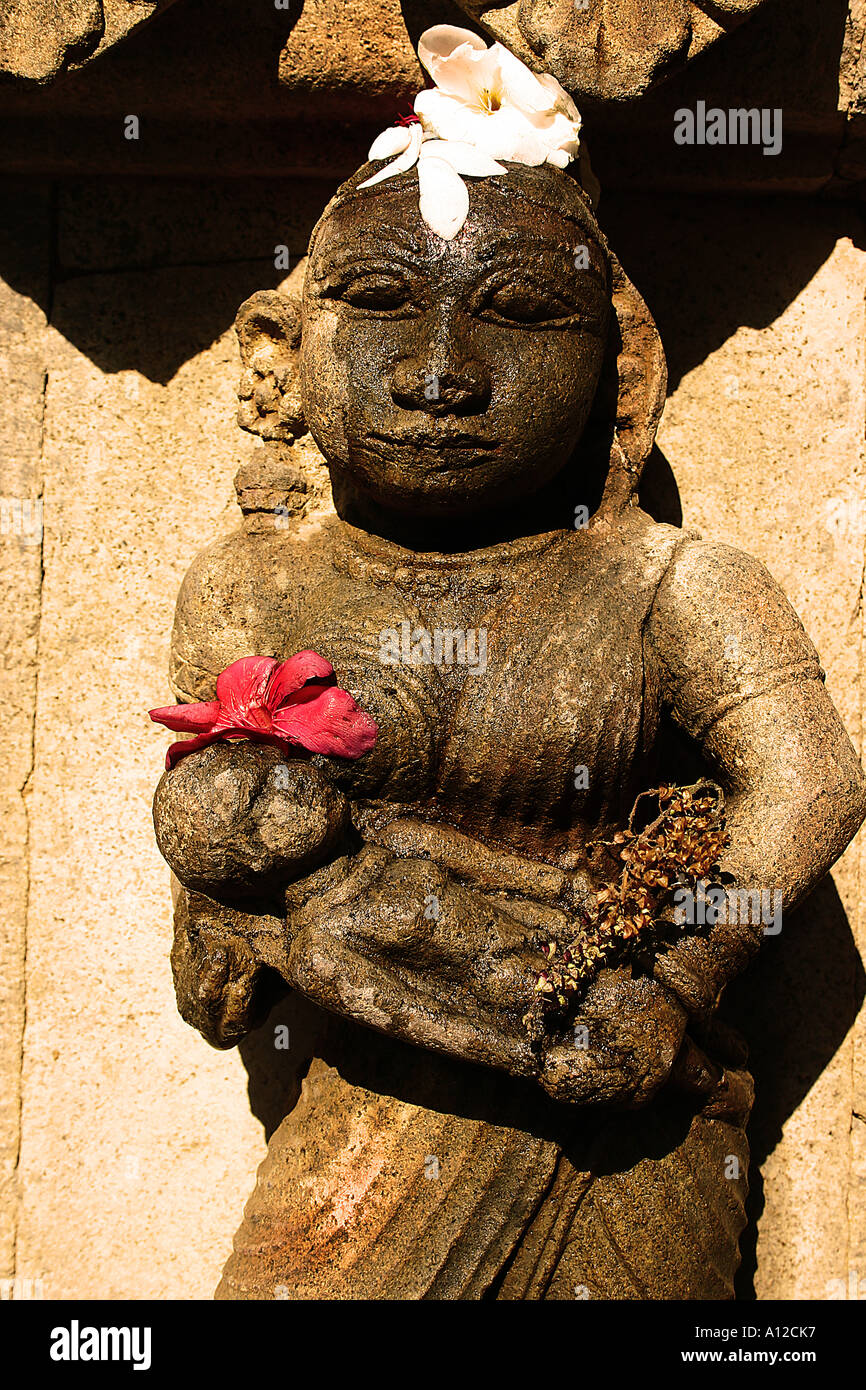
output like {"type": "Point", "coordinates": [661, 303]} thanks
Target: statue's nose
{"type": "Point", "coordinates": [459, 388]}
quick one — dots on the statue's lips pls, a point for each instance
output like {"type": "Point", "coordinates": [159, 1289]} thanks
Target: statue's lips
{"type": "Point", "coordinates": [444, 441]}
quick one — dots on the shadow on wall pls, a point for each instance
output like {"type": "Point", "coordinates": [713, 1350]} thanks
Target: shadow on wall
{"type": "Point", "coordinates": [795, 1006]}
{"type": "Point", "coordinates": [708, 266]}
{"type": "Point", "coordinates": [711, 267]}
{"type": "Point", "coordinates": [217, 59]}
{"type": "Point", "coordinates": [143, 275]}
{"type": "Point", "coordinates": [278, 1054]}
{"type": "Point", "coordinates": [705, 267]}
{"type": "Point", "coordinates": [148, 273]}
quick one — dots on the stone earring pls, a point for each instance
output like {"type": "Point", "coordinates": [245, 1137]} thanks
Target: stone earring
{"type": "Point", "coordinates": [636, 387]}
{"type": "Point", "coordinates": [268, 327]}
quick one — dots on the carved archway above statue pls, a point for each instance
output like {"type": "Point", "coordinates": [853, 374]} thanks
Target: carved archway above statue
{"type": "Point", "coordinates": [609, 50]}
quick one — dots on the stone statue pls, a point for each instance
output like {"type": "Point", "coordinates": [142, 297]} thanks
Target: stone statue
{"type": "Point", "coordinates": [537, 653]}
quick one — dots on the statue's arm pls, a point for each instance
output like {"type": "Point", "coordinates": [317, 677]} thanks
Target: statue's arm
{"type": "Point", "coordinates": [406, 927]}
{"type": "Point", "coordinates": [740, 676]}
{"type": "Point", "coordinates": [222, 988]}
{"type": "Point", "coordinates": [400, 942]}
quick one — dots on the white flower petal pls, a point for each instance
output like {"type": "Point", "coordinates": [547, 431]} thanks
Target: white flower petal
{"type": "Point", "coordinates": [504, 134]}
{"type": "Point", "coordinates": [453, 120]}
{"type": "Point", "coordinates": [560, 98]}
{"type": "Point", "coordinates": [449, 118]}
{"type": "Point", "coordinates": [444, 200]}
{"type": "Point", "coordinates": [403, 161]}
{"type": "Point", "coordinates": [447, 53]}
{"type": "Point", "coordinates": [397, 166]}
{"type": "Point", "coordinates": [517, 138]}
{"type": "Point", "coordinates": [392, 141]}
{"type": "Point", "coordinates": [528, 150]}
{"type": "Point", "coordinates": [463, 158]}
{"type": "Point", "coordinates": [525, 90]}
{"type": "Point", "coordinates": [437, 111]}
{"type": "Point", "coordinates": [557, 131]}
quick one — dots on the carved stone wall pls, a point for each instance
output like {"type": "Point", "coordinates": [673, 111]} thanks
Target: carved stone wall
{"type": "Point", "coordinates": [38, 42]}
{"type": "Point", "coordinates": [609, 50]}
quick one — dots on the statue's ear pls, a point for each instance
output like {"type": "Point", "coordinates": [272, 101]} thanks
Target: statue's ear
{"type": "Point", "coordinates": [642, 373]}
{"type": "Point", "coordinates": [632, 390]}
{"type": "Point", "coordinates": [268, 325]}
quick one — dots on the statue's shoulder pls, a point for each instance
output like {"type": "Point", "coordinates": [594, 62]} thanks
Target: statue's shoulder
{"type": "Point", "coordinates": [725, 626]}
{"type": "Point", "coordinates": [272, 554]}
{"type": "Point", "coordinates": [656, 543]}
{"type": "Point", "coordinates": [687, 584]}
{"type": "Point", "coordinates": [703, 575]}
{"type": "Point", "coordinates": [631, 548]}
{"type": "Point", "coordinates": [685, 564]}
{"type": "Point", "coordinates": [716, 575]}
{"type": "Point", "coordinates": [242, 595]}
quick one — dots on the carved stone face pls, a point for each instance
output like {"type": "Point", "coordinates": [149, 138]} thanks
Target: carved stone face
{"type": "Point", "coordinates": [441, 378]}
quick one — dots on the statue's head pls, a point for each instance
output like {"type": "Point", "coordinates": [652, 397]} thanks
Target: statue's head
{"type": "Point", "coordinates": [447, 369]}
{"type": "Point", "coordinates": [446, 376]}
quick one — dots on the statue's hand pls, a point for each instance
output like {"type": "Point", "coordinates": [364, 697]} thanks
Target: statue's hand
{"type": "Point", "coordinates": [407, 949]}
{"type": "Point", "coordinates": [622, 1045]}
{"type": "Point", "coordinates": [238, 820]}
{"type": "Point", "coordinates": [219, 982]}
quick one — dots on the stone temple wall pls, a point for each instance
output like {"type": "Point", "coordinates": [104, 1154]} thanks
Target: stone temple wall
{"type": "Point", "coordinates": [128, 1146]}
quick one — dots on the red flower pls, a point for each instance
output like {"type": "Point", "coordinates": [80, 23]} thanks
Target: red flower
{"type": "Point", "coordinates": [287, 703]}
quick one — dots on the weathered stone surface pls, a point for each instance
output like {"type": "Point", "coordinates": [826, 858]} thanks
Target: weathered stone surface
{"type": "Point", "coordinates": [470, 781]}
{"type": "Point", "coordinates": [337, 49]}
{"type": "Point", "coordinates": [297, 817]}
{"type": "Point", "coordinates": [851, 166]}
{"type": "Point", "coordinates": [24, 223]}
{"type": "Point", "coordinates": [852, 67]}
{"type": "Point", "coordinates": [38, 41]}
{"type": "Point", "coordinates": [134, 469]}
{"type": "Point", "coordinates": [609, 50]}
{"type": "Point", "coordinates": [395, 1184]}
{"type": "Point", "coordinates": [413, 1202]}
{"type": "Point", "coordinates": [202, 81]}
{"type": "Point", "coordinates": [764, 435]}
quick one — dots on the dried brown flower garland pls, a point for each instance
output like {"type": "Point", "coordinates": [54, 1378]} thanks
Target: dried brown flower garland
{"type": "Point", "coordinates": [680, 848]}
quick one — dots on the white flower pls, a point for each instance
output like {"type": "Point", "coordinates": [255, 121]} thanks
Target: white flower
{"type": "Point", "coordinates": [486, 106]}
{"type": "Point", "coordinates": [490, 99]}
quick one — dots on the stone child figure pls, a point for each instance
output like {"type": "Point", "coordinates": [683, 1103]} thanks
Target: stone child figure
{"type": "Point", "coordinates": [471, 389]}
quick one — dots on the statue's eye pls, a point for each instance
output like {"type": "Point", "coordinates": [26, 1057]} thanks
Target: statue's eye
{"type": "Point", "coordinates": [377, 293]}
{"type": "Point", "coordinates": [516, 301]}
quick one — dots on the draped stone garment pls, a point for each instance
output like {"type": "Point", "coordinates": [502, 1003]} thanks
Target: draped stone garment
{"type": "Point", "coordinates": [430, 1178]}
